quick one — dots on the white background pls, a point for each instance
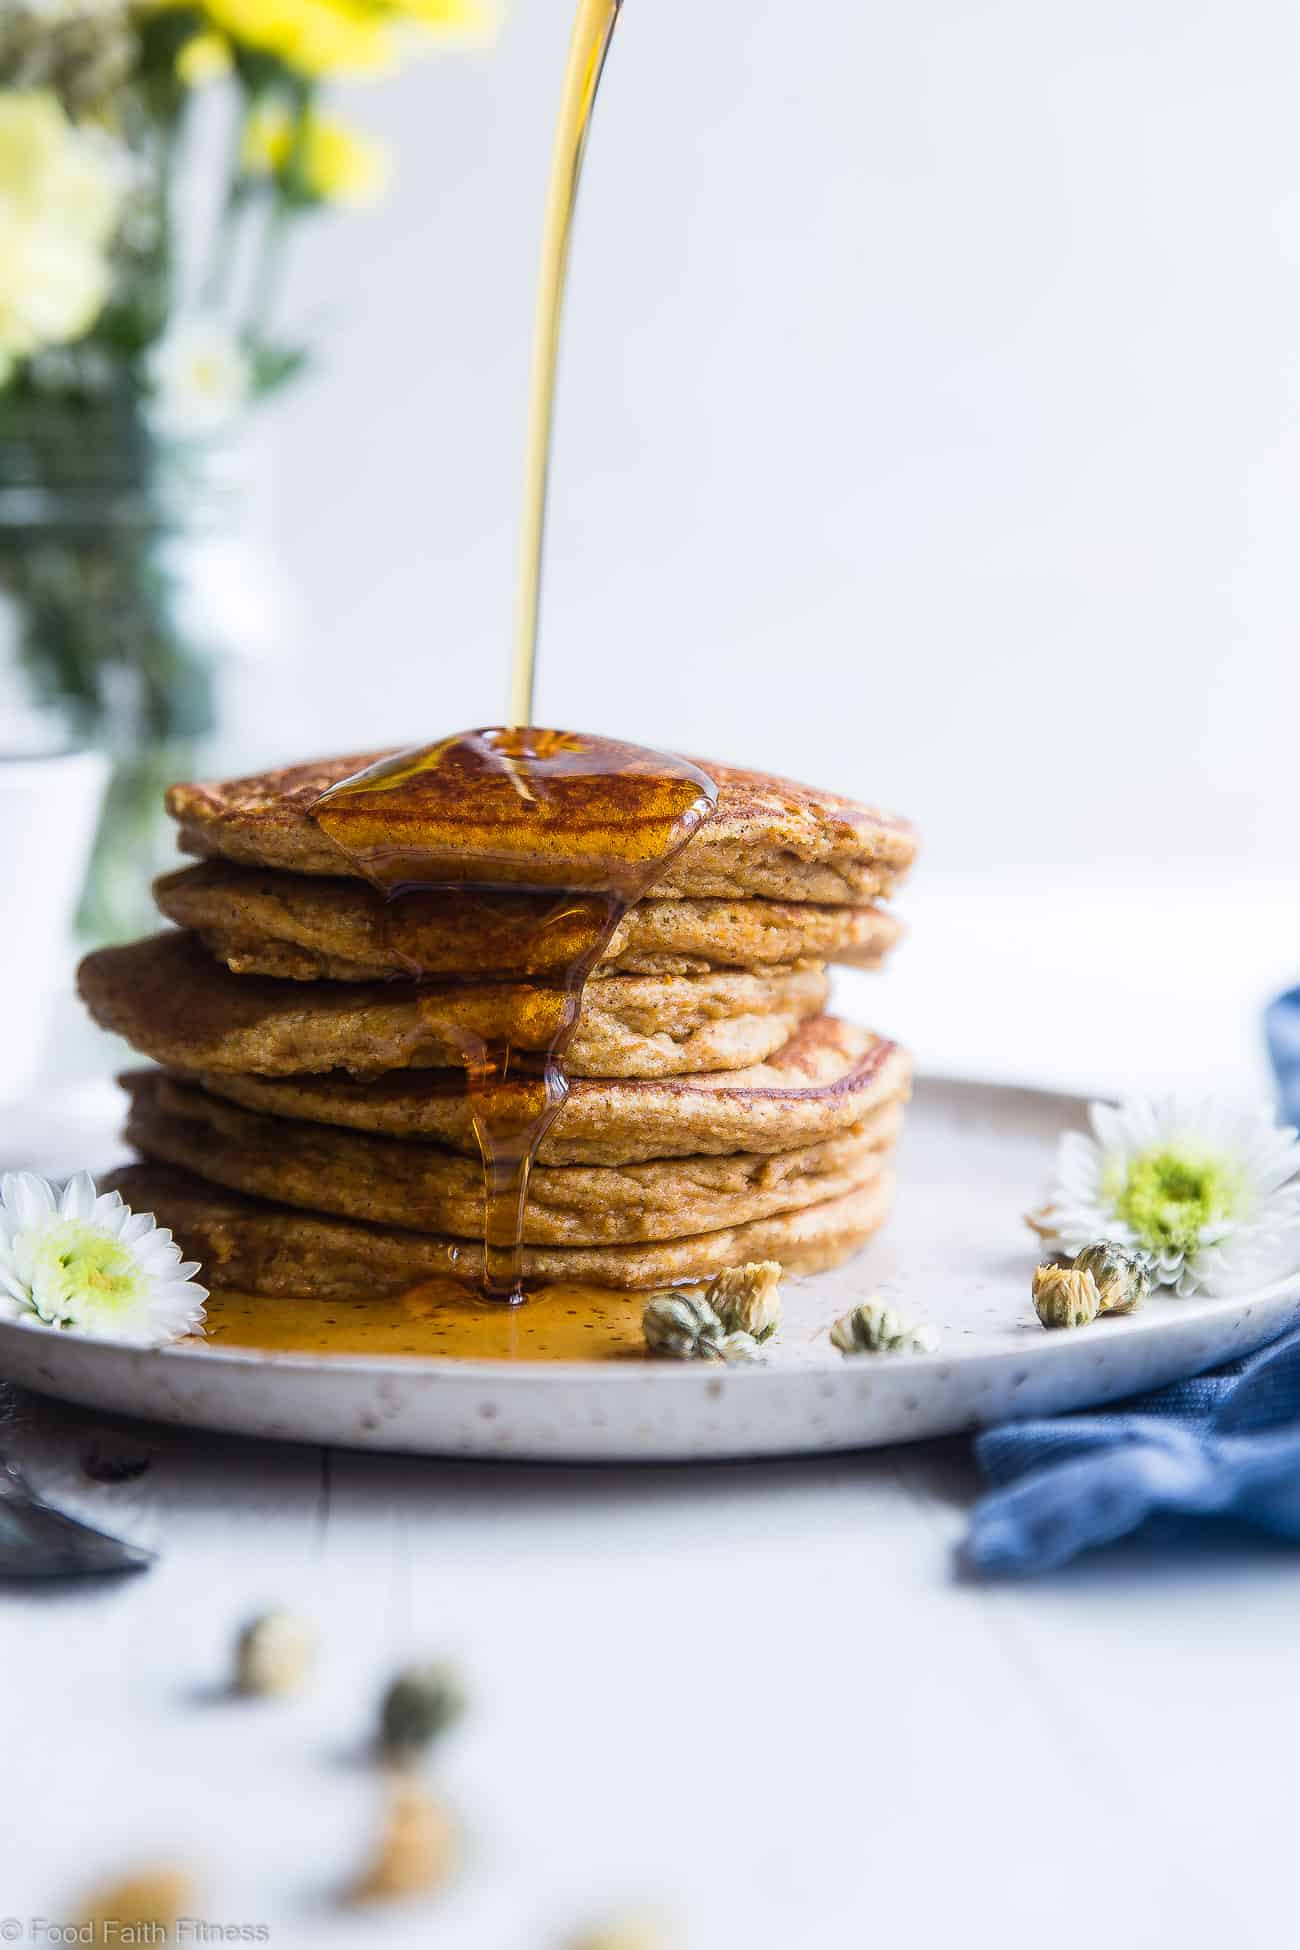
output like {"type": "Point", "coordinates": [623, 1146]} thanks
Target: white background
{"type": "Point", "coordinates": [927, 429]}
{"type": "Point", "coordinates": [928, 417]}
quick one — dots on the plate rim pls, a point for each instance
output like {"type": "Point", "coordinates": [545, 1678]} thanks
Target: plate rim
{"type": "Point", "coordinates": [629, 1369]}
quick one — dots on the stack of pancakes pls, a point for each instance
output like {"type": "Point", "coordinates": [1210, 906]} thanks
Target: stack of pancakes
{"type": "Point", "coordinates": [308, 1132]}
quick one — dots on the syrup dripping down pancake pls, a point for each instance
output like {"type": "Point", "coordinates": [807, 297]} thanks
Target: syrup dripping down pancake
{"type": "Point", "coordinates": [259, 1248]}
{"type": "Point", "coordinates": [172, 1002]}
{"type": "Point", "coordinates": [400, 1182]}
{"type": "Point", "coordinates": [303, 928]}
{"type": "Point", "coordinates": [829, 1077]}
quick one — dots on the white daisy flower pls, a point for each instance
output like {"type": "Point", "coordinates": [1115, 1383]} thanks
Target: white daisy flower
{"type": "Point", "coordinates": [83, 1259]}
{"type": "Point", "coordinates": [1206, 1190]}
{"type": "Point", "coordinates": [200, 379]}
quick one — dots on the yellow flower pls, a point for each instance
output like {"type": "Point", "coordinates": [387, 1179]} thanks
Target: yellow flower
{"type": "Point", "coordinates": [316, 37]}
{"type": "Point", "coordinates": [324, 37]}
{"type": "Point", "coordinates": [473, 19]}
{"type": "Point", "coordinates": [204, 58]}
{"type": "Point", "coordinates": [60, 200]}
{"type": "Point", "coordinates": [323, 156]}
{"type": "Point", "coordinates": [341, 166]}
{"type": "Point", "coordinates": [267, 139]}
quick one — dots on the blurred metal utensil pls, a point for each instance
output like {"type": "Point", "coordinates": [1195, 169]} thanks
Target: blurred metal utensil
{"type": "Point", "coordinates": [38, 1541]}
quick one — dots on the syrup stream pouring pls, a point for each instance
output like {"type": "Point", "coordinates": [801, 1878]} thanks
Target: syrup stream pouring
{"type": "Point", "coordinates": [593, 30]}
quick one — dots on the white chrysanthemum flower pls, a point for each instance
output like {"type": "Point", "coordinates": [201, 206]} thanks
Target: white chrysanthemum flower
{"type": "Point", "coordinates": [84, 1260]}
{"type": "Point", "coordinates": [1206, 1190]}
{"type": "Point", "coordinates": [199, 377]}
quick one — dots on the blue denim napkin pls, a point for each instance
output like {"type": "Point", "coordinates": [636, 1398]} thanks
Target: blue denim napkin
{"type": "Point", "coordinates": [1282, 1028]}
{"type": "Point", "coordinates": [1225, 1444]}
{"type": "Point", "coordinates": [1222, 1445]}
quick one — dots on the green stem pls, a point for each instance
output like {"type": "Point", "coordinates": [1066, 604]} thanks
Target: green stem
{"type": "Point", "coordinates": [169, 151]}
{"type": "Point", "coordinates": [269, 268]}
{"type": "Point", "coordinates": [216, 280]}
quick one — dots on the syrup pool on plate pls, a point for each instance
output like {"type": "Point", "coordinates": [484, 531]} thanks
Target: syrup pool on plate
{"type": "Point", "coordinates": [439, 1320]}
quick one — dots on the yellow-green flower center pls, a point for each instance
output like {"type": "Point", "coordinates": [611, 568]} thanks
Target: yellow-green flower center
{"type": "Point", "coordinates": [77, 1269]}
{"type": "Point", "coordinates": [1168, 1197]}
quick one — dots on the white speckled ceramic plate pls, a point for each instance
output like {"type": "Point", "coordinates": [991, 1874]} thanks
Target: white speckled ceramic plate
{"type": "Point", "coordinates": [955, 1255]}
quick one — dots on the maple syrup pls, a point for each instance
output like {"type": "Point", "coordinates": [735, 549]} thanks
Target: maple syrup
{"type": "Point", "coordinates": [438, 1320]}
{"type": "Point", "coordinates": [572, 830]}
{"type": "Point", "coordinates": [593, 29]}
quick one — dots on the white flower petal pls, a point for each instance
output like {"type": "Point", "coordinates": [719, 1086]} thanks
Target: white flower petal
{"type": "Point", "coordinates": [28, 1199]}
{"type": "Point", "coordinates": [111, 1212]}
{"type": "Point", "coordinates": [78, 1200]}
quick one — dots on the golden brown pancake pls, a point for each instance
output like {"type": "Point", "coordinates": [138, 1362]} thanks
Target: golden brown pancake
{"type": "Point", "coordinates": [172, 1002]}
{"type": "Point", "coordinates": [400, 1182]}
{"type": "Point", "coordinates": [253, 1247]}
{"type": "Point", "coordinates": [768, 836]}
{"type": "Point", "coordinates": [302, 928]}
{"type": "Point", "coordinates": [829, 1077]}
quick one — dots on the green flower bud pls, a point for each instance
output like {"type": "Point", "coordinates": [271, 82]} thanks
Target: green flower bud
{"type": "Point", "coordinates": [274, 1653]}
{"type": "Point", "coordinates": [1065, 1296]}
{"type": "Point", "coordinates": [873, 1329]}
{"type": "Point", "coordinates": [421, 1703]}
{"type": "Point", "coordinates": [747, 1299]}
{"type": "Point", "coordinates": [629, 1933]}
{"type": "Point", "coordinates": [741, 1347]}
{"type": "Point", "coordinates": [682, 1327]}
{"type": "Point", "coordinates": [1123, 1278]}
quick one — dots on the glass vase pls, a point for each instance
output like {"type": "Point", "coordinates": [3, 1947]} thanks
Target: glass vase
{"type": "Point", "coordinates": [97, 524]}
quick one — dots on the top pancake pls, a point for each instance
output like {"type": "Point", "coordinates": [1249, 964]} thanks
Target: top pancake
{"type": "Point", "coordinates": [308, 928]}
{"type": "Point", "coordinates": [768, 836]}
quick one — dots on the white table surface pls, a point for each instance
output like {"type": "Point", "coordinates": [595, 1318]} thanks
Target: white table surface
{"type": "Point", "coordinates": [754, 1699]}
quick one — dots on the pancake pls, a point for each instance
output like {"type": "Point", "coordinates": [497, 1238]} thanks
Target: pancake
{"type": "Point", "coordinates": [252, 1247]}
{"type": "Point", "coordinates": [303, 929]}
{"type": "Point", "coordinates": [171, 1001]}
{"type": "Point", "coordinates": [397, 1182]}
{"type": "Point", "coordinates": [828, 1078]}
{"type": "Point", "coordinates": [768, 836]}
